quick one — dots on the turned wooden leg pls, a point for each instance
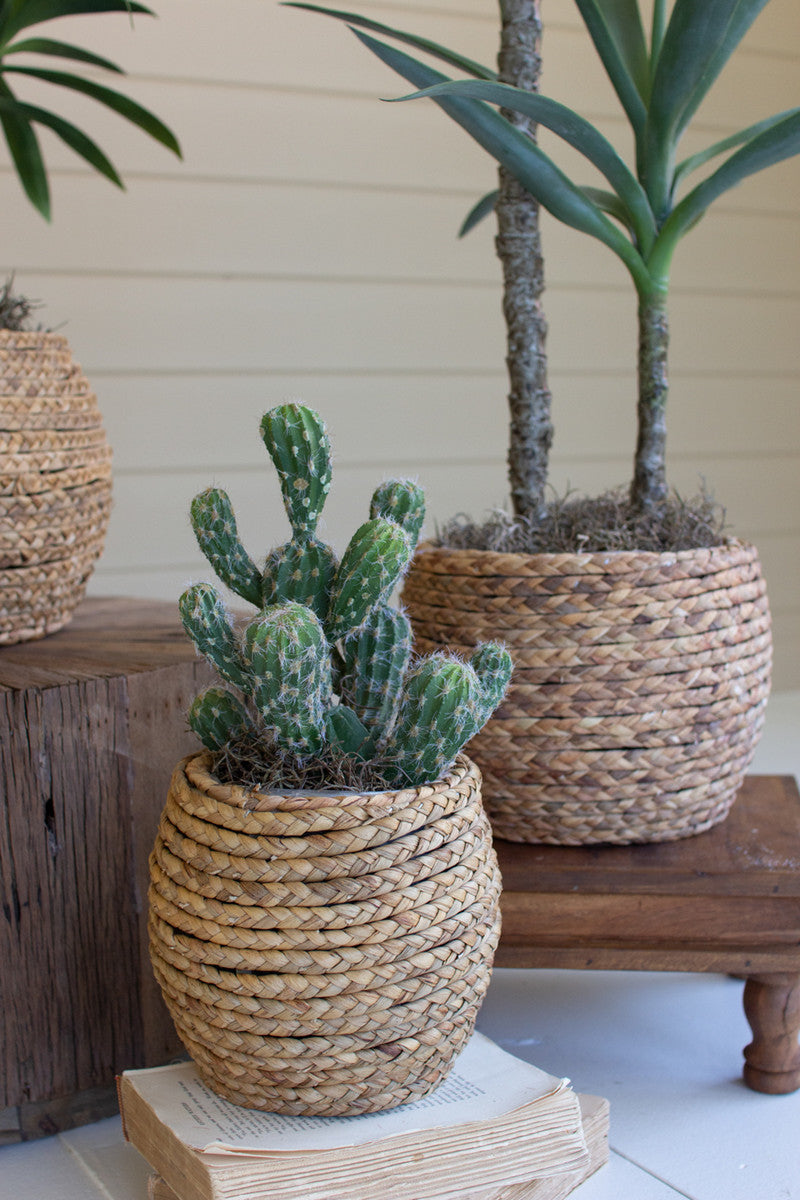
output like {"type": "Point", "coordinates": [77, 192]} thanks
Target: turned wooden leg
{"type": "Point", "coordinates": [772, 1007]}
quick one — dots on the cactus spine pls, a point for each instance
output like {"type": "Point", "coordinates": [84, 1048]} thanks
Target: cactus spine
{"type": "Point", "coordinates": [401, 501]}
{"type": "Point", "coordinates": [215, 529]}
{"type": "Point", "coordinates": [324, 666]}
{"type": "Point", "coordinates": [300, 571]}
{"type": "Point", "coordinates": [218, 717]}
{"type": "Point", "coordinates": [372, 666]}
{"type": "Point", "coordinates": [443, 704]}
{"type": "Point", "coordinates": [288, 659]}
{"type": "Point", "coordinates": [378, 553]}
{"type": "Point", "coordinates": [298, 445]}
{"type": "Point", "coordinates": [210, 627]}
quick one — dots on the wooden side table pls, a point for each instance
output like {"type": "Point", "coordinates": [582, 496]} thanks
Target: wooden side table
{"type": "Point", "coordinates": [726, 901]}
{"type": "Point", "coordinates": [92, 720]}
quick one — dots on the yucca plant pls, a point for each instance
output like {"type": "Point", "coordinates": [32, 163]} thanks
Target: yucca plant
{"type": "Point", "coordinates": [661, 76]}
{"type": "Point", "coordinates": [31, 57]}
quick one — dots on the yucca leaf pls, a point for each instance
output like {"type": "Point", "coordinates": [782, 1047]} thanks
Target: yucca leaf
{"type": "Point", "coordinates": [520, 155]}
{"type": "Point", "coordinates": [610, 203]}
{"type": "Point", "coordinates": [624, 23]}
{"type": "Point", "coordinates": [62, 50]}
{"type": "Point", "coordinates": [477, 213]}
{"type": "Point", "coordinates": [574, 130]}
{"type": "Point", "coordinates": [773, 145]}
{"type": "Point", "coordinates": [729, 143]}
{"type": "Point", "coordinates": [611, 56]}
{"type": "Point", "coordinates": [75, 139]}
{"type": "Point", "coordinates": [145, 120]}
{"type": "Point", "coordinates": [742, 17]}
{"type": "Point", "coordinates": [657, 30]}
{"type": "Point", "coordinates": [697, 43]}
{"type": "Point", "coordinates": [419, 43]}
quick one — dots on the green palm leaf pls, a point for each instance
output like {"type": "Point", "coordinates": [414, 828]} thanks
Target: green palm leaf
{"type": "Point", "coordinates": [139, 116]}
{"type": "Point", "coordinates": [21, 15]}
{"type": "Point", "coordinates": [26, 154]}
{"type": "Point", "coordinates": [74, 138]}
{"type": "Point", "coordinates": [419, 43]}
{"type": "Point", "coordinates": [62, 50]}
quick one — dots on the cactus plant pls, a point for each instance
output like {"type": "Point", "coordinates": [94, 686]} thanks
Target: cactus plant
{"type": "Point", "coordinates": [324, 672]}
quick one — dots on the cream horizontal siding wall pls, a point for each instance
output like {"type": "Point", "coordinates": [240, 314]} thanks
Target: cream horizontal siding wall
{"type": "Point", "coordinates": [306, 248]}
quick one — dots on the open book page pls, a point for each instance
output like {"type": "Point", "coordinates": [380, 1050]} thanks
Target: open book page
{"type": "Point", "coordinates": [485, 1082]}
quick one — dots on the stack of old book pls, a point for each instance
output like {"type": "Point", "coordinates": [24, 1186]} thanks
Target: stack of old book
{"type": "Point", "coordinates": [497, 1129]}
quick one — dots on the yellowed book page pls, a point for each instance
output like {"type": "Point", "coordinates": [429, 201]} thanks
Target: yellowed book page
{"type": "Point", "coordinates": [595, 1113]}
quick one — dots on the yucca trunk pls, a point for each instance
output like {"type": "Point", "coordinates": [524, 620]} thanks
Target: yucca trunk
{"type": "Point", "coordinates": [649, 485]}
{"type": "Point", "coordinates": [519, 250]}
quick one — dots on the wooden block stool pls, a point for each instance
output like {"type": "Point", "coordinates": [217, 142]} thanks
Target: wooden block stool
{"type": "Point", "coordinates": [726, 901]}
{"type": "Point", "coordinates": [92, 721]}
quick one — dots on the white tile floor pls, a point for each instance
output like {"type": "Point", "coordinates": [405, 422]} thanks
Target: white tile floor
{"type": "Point", "coordinates": [665, 1049]}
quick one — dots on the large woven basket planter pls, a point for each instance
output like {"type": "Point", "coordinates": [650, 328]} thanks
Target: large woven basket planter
{"type": "Point", "coordinates": [55, 484]}
{"type": "Point", "coordinates": [639, 686]}
{"type": "Point", "coordinates": [323, 954]}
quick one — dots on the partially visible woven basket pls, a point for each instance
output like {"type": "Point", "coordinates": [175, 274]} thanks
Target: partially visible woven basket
{"type": "Point", "coordinates": [55, 484]}
{"type": "Point", "coordinates": [323, 954]}
{"type": "Point", "coordinates": [639, 687]}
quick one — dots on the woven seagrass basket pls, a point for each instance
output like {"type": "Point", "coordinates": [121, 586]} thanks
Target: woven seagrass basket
{"type": "Point", "coordinates": [639, 686]}
{"type": "Point", "coordinates": [55, 484]}
{"type": "Point", "coordinates": [323, 954]}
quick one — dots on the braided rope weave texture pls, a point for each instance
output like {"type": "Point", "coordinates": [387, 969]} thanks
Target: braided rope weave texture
{"type": "Point", "coordinates": [55, 484]}
{"type": "Point", "coordinates": [639, 688]}
{"type": "Point", "coordinates": [323, 955]}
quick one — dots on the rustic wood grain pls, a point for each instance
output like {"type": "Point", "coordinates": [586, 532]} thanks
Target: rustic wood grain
{"type": "Point", "coordinates": [772, 1059]}
{"type": "Point", "coordinates": [91, 724]}
{"type": "Point", "coordinates": [727, 900]}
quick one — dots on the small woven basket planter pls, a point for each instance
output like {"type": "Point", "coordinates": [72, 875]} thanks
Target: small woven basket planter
{"type": "Point", "coordinates": [639, 687]}
{"type": "Point", "coordinates": [323, 954]}
{"type": "Point", "coordinates": [55, 484]}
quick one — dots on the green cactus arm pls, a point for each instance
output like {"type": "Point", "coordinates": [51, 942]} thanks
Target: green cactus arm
{"type": "Point", "coordinates": [376, 557]}
{"type": "Point", "coordinates": [218, 718]}
{"type": "Point", "coordinates": [302, 571]}
{"type": "Point", "coordinates": [493, 666]}
{"type": "Point", "coordinates": [346, 734]}
{"type": "Point", "coordinates": [298, 444]}
{"type": "Point", "coordinates": [210, 627]}
{"type": "Point", "coordinates": [371, 667]}
{"type": "Point", "coordinates": [288, 659]}
{"type": "Point", "coordinates": [402, 501]}
{"type": "Point", "coordinates": [214, 526]}
{"type": "Point", "coordinates": [435, 719]}
{"type": "Point", "coordinates": [444, 703]}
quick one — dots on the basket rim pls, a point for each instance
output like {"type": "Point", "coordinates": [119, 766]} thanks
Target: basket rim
{"type": "Point", "coordinates": [576, 562]}
{"type": "Point", "coordinates": [254, 800]}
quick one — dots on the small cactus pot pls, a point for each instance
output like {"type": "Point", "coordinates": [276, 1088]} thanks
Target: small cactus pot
{"type": "Point", "coordinates": [323, 954]}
